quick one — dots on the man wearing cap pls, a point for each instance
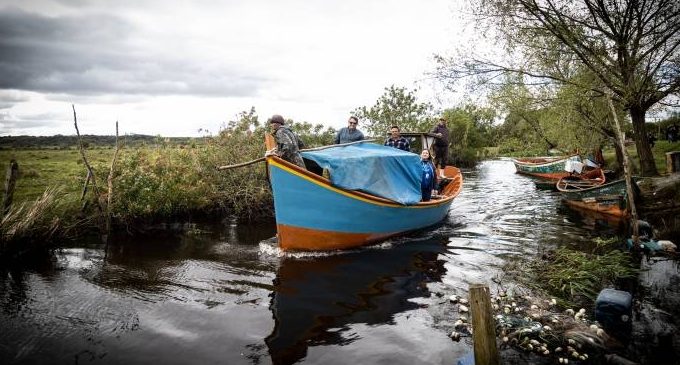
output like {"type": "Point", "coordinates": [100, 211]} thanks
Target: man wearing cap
{"type": "Point", "coordinates": [287, 143]}
{"type": "Point", "coordinates": [441, 145]}
{"type": "Point", "coordinates": [349, 133]}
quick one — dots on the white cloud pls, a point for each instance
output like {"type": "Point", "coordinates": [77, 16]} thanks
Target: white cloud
{"type": "Point", "coordinates": [172, 69]}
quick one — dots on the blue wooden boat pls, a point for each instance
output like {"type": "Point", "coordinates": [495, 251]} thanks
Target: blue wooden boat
{"type": "Point", "coordinates": [314, 213]}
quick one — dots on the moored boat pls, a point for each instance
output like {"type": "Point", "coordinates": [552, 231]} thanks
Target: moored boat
{"type": "Point", "coordinates": [610, 198]}
{"type": "Point", "coordinates": [585, 180]}
{"type": "Point", "coordinates": [376, 200]}
{"type": "Point", "coordinates": [551, 168]}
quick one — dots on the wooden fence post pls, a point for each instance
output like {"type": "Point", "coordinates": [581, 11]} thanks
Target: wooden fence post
{"type": "Point", "coordinates": [672, 162]}
{"type": "Point", "coordinates": [483, 326]}
{"type": "Point", "coordinates": [10, 184]}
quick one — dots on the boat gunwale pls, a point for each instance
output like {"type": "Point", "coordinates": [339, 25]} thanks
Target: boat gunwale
{"type": "Point", "coordinates": [619, 181]}
{"type": "Point", "coordinates": [536, 164]}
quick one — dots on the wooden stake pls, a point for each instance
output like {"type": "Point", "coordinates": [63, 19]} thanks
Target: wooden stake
{"type": "Point", "coordinates": [10, 184]}
{"type": "Point", "coordinates": [110, 185]}
{"type": "Point", "coordinates": [91, 174]}
{"type": "Point", "coordinates": [82, 195]}
{"type": "Point", "coordinates": [483, 326]}
{"type": "Point", "coordinates": [627, 173]}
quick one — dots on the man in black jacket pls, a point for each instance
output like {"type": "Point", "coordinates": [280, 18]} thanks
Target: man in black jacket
{"type": "Point", "coordinates": [441, 145]}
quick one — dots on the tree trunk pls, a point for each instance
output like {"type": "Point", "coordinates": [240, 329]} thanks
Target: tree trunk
{"type": "Point", "coordinates": [619, 157]}
{"type": "Point", "coordinates": [647, 165]}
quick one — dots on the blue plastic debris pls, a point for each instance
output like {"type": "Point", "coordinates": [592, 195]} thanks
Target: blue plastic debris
{"type": "Point", "coordinates": [614, 309]}
{"type": "Point", "coordinates": [646, 245]}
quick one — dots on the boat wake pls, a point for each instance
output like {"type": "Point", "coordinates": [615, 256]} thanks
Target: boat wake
{"type": "Point", "coordinates": [270, 248]}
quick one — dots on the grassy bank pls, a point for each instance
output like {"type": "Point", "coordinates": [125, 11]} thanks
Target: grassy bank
{"type": "Point", "coordinates": [659, 151]}
{"type": "Point", "coordinates": [152, 183]}
{"type": "Point", "coordinates": [575, 277]}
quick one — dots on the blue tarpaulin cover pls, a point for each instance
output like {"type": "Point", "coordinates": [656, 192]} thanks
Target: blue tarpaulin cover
{"type": "Point", "coordinates": [378, 170]}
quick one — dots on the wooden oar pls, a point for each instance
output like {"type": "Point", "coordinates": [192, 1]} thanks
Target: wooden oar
{"type": "Point", "coordinates": [262, 159]}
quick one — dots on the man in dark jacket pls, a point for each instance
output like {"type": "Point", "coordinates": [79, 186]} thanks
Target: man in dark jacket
{"type": "Point", "coordinates": [441, 145]}
{"type": "Point", "coordinates": [287, 143]}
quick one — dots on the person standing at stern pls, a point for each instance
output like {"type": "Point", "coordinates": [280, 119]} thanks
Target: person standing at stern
{"type": "Point", "coordinates": [441, 145]}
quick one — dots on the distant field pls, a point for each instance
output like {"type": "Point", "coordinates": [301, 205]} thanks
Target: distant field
{"type": "Point", "coordinates": [39, 169]}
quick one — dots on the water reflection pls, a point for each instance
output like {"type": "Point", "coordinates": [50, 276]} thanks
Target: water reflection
{"type": "Point", "coordinates": [315, 299]}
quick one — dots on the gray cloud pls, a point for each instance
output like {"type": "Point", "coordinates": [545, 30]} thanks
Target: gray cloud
{"type": "Point", "coordinates": [9, 98]}
{"type": "Point", "coordinates": [96, 54]}
{"type": "Point", "coordinates": [14, 124]}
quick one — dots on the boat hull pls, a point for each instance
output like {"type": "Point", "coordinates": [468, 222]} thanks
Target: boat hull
{"type": "Point", "coordinates": [311, 214]}
{"type": "Point", "coordinates": [617, 187]}
{"type": "Point", "coordinates": [544, 168]}
{"type": "Point", "coordinates": [610, 198]}
{"type": "Point", "coordinates": [614, 205]}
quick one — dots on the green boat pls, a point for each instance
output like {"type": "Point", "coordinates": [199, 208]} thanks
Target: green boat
{"type": "Point", "coordinates": [608, 198]}
{"type": "Point", "coordinates": [548, 168]}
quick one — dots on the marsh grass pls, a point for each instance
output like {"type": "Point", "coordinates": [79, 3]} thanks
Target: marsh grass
{"type": "Point", "coordinates": [37, 221]}
{"type": "Point", "coordinates": [152, 183]}
{"type": "Point", "coordinates": [575, 277]}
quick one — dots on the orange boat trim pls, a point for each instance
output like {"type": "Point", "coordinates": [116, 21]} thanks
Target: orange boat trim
{"type": "Point", "coordinates": [298, 238]}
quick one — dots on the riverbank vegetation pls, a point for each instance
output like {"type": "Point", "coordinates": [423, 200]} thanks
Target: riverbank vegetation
{"type": "Point", "coordinates": [156, 182]}
{"type": "Point", "coordinates": [575, 276]}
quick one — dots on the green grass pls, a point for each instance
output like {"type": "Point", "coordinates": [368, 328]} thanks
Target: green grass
{"type": "Point", "coordinates": [39, 169]}
{"type": "Point", "coordinates": [659, 151]}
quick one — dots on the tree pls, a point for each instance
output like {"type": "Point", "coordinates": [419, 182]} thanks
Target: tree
{"type": "Point", "coordinates": [631, 46]}
{"type": "Point", "coordinates": [397, 106]}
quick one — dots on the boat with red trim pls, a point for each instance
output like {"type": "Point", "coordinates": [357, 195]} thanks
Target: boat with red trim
{"type": "Point", "coordinates": [550, 168]}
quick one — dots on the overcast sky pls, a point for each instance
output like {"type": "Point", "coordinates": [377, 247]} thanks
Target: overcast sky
{"type": "Point", "coordinates": [172, 67]}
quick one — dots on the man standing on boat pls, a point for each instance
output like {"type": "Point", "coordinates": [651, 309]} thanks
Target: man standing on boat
{"type": "Point", "coordinates": [349, 133]}
{"type": "Point", "coordinates": [287, 143]}
{"type": "Point", "coordinates": [441, 145]}
{"type": "Point", "coordinates": [396, 140]}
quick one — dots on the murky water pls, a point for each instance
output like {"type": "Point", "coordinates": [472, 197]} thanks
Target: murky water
{"type": "Point", "coordinates": [227, 295]}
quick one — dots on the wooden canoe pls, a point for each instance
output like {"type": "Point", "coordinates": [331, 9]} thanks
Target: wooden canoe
{"type": "Point", "coordinates": [585, 180]}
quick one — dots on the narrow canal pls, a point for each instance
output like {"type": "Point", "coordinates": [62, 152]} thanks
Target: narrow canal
{"type": "Point", "coordinates": [227, 295]}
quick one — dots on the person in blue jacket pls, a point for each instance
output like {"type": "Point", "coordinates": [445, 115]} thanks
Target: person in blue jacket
{"type": "Point", "coordinates": [428, 183]}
